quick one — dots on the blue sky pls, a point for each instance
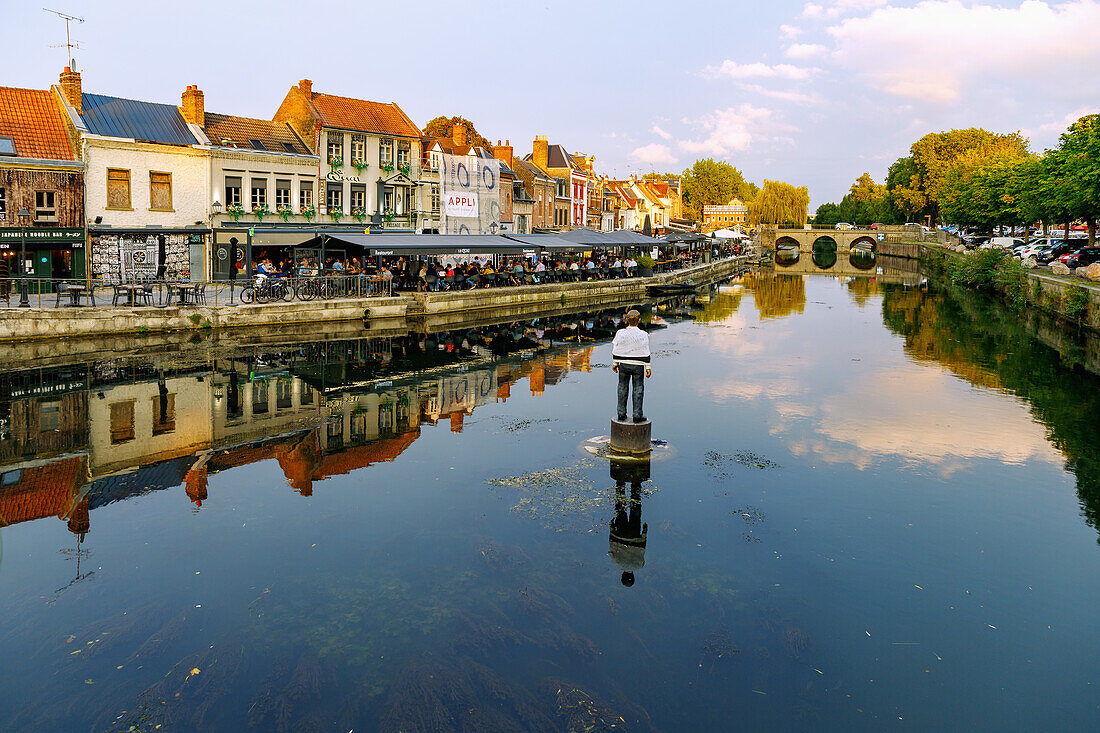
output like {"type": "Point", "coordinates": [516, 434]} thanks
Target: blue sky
{"type": "Point", "coordinates": [811, 93]}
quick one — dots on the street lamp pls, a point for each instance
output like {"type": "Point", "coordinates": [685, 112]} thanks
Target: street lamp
{"type": "Point", "coordinates": [24, 215]}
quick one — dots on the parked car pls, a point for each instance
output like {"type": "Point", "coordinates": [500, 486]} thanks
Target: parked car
{"type": "Point", "coordinates": [876, 225]}
{"type": "Point", "coordinates": [1084, 257]}
{"type": "Point", "coordinates": [1002, 243]}
{"type": "Point", "coordinates": [842, 226]}
{"type": "Point", "coordinates": [1056, 251]}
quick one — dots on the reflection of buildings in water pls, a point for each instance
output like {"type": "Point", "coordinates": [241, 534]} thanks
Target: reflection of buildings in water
{"type": "Point", "coordinates": [177, 429]}
{"type": "Point", "coordinates": [627, 533]}
{"type": "Point", "coordinates": [131, 424]}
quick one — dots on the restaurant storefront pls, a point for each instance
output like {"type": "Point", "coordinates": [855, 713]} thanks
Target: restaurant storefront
{"type": "Point", "coordinates": [56, 253]}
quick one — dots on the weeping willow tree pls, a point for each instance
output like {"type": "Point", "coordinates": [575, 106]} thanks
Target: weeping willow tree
{"type": "Point", "coordinates": [780, 204]}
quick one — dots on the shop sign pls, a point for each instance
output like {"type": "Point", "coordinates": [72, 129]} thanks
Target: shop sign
{"type": "Point", "coordinates": [336, 177]}
{"type": "Point", "coordinates": [194, 239]}
{"type": "Point", "coordinates": [15, 234]}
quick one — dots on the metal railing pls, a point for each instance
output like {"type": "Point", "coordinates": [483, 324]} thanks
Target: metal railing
{"type": "Point", "coordinates": [73, 293]}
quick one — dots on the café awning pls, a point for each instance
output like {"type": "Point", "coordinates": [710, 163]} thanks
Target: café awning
{"type": "Point", "coordinates": [383, 245]}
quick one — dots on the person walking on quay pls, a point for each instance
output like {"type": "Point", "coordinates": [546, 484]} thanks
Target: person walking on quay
{"type": "Point", "coordinates": [630, 358]}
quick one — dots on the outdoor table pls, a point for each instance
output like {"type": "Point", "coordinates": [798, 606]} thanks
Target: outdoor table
{"type": "Point", "coordinates": [75, 291]}
{"type": "Point", "coordinates": [184, 296]}
{"type": "Point", "coordinates": [131, 291]}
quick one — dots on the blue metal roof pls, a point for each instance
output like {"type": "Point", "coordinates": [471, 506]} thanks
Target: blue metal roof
{"type": "Point", "coordinates": [148, 121]}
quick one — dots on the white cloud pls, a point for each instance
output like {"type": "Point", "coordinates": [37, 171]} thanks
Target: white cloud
{"type": "Point", "coordinates": [656, 129]}
{"type": "Point", "coordinates": [654, 154]}
{"type": "Point", "coordinates": [735, 128]}
{"type": "Point", "coordinates": [939, 50]}
{"type": "Point", "coordinates": [804, 50]}
{"type": "Point", "coordinates": [784, 95]}
{"type": "Point", "coordinates": [1052, 129]}
{"type": "Point", "coordinates": [837, 8]}
{"type": "Point", "coordinates": [790, 31]}
{"type": "Point", "coordinates": [734, 70]}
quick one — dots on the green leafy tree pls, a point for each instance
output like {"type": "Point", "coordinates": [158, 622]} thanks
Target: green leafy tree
{"type": "Point", "coordinates": [709, 181]}
{"type": "Point", "coordinates": [444, 127]}
{"type": "Point", "coordinates": [827, 215]}
{"type": "Point", "coordinates": [1077, 161]}
{"type": "Point", "coordinates": [780, 204]}
{"type": "Point", "coordinates": [935, 156]}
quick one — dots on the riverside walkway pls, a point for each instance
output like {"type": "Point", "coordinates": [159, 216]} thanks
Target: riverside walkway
{"type": "Point", "coordinates": [50, 322]}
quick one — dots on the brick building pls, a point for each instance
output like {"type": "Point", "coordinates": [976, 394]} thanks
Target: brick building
{"type": "Point", "coordinates": [41, 175]}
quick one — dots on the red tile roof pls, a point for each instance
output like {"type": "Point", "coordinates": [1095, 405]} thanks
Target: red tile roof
{"type": "Point", "coordinates": [385, 118]}
{"type": "Point", "coordinates": [32, 118]}
{"type": "Point", "coordinates": [42, 491]}
{"type": "Point", "coordinates": [240, 130]}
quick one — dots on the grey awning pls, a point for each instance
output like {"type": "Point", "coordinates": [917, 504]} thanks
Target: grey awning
{"type": "Point", "coordinates": [625, 236]}
{"type": "Point", "coordinates": [434, 244]}
{"type": "Point", "coordinates": [589, 237]}
{"type": "Point", "coordinates": [548, 242]}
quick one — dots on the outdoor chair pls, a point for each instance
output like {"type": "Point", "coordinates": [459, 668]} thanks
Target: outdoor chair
{"type": "Point", "coordinates": [198, 294]}
{"type": "Point", "coordinates": [62, 289]}
{"type": "Point", "coordinates": [89, 294]}
{"type": "Point", "coordinates": [472, 281]}
{"type": "Point", "coordinates": [146, 293]}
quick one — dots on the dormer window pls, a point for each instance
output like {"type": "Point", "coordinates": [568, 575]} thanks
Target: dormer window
{"type": "Point", "coordinates": [7, 146]}
{"type": "Point", "coordinates": [226, 142]}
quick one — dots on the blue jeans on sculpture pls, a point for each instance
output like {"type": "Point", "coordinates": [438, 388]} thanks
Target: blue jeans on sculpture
{"type": "Point", "coordinates": [627, 374]}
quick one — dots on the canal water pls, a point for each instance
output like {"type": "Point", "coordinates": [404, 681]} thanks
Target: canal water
{"type": "Point", "coordinates": [878, 510]}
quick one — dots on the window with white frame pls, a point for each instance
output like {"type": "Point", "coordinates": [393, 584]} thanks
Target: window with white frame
{"type": "Point", "coordinates": [282, 192]}
{"type": "Point", "coordinates": [305, 193]}
{"type": "Point", "coordinates": [435, 198]}
{"type": "Point", "coordinates": [259, 192]}
{"type": "Point", "coordinates": [232, 190]}
{"type": "Point", "coordinates": [359, 147]}
{"type": "Point", "coordinates": [334, 196]}
{"type": "Point", "coordinates": [358, 196]}
{"type": "Point", "coordinates": [404, 152]}
{"type": "Point", "coordinates": [335, 146]}
{"type": "Point", "coordinates": [385, 151]}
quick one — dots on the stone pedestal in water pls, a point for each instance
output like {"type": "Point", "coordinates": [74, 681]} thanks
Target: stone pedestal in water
{"type": "Point", "coordinates": [631, 438]}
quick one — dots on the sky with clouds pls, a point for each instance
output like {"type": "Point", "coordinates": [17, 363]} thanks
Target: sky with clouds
{"type": "Point", "coordinates": [811, 93]}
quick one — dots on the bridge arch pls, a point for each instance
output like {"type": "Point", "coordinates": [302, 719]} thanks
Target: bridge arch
{"type": "Point", "coordinates": [824, 252]}
{"type": "Point", "coordinates": [864, 242]}
{"type": "Point", "coordinates": [786, 254]}
{"type": "Point", "coordinates": [862, 258]}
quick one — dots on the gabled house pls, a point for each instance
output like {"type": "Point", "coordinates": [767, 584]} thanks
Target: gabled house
{"type": "Point", "coordinates": [260, 171]}
{"type": "Point", "coordinates": [370, 156]}
{"type": "Point", "coordinates": [535, 206]}
{"type": "Point", "coordinates": [41, 175]}
{"type": "Point", "coordinates": [146, 184]}
{"type": "Point", "coordinates": [573, 175]}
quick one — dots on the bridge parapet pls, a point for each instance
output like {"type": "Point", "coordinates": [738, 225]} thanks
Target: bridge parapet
{"type": "Point", "coordinates": [804, 239]}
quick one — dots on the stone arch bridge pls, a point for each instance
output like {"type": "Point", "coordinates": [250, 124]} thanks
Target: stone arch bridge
{"type": "Point", "coordinates": [807, 240]}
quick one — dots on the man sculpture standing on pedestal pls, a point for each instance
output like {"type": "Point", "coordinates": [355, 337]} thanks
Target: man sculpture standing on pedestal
{"type": "Point", "coordinates": [630, 357]}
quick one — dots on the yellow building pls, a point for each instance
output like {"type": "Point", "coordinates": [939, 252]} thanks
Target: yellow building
{"type": "Point", "coordinates": [725, 216]}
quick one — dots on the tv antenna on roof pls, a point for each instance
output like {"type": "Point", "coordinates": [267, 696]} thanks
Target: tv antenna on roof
{"type": "Point", "coordinates": [69, 44]}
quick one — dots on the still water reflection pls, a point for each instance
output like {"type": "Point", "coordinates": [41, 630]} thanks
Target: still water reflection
{"type": "Point", "coordinates": [882, 512]}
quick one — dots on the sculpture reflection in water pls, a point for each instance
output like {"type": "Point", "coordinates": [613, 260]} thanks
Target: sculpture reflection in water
{"type": "Point", "coordinates": [627, 534]}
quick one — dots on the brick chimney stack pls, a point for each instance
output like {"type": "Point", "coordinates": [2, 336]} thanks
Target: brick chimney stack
{"type": "Point", "coordinates": [70, 88]}
{"type": "Point", "coordinates": [458, 134]}
{"type": "Point", "coordinates": [194, 105]}
{"type": "Point", "coordinates": [540, 151]}
{"type": "Point", "coordinates": [504, 152]}
{"type": "Point", "coordinates": [306, 85]}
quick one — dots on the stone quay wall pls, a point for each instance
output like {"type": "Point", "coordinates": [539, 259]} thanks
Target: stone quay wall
{"type": "Point", "coordinates": [18, 324]}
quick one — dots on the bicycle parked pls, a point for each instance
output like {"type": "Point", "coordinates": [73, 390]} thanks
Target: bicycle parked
{"type": "Point", "coordinates": [267, 290]}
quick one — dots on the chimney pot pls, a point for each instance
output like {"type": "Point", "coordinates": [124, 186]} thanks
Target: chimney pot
{"type": "Point", "coordinates": [194, 105]}
{"type": "Point", "coordinates": [306, 85]}
{"type": "Point", "coordinates": [71, 89]}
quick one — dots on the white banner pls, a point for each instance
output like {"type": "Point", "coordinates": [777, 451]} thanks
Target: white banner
{"type": "Point", "coordinates": [456, 203]}
{"type": "Point", "coordinates": [471, 194]}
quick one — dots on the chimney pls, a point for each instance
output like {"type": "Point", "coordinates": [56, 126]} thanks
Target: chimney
{"type": "Point", "coordinates": [504, 152]}
{"type": "Point", "coordinates": [306, 85]}
{"type": "Point", "coordinates": [458, 134]}
{"type": "Point", "coordinates": [194, 105]}
{"type": "Point", "coordinates": [70, 88]}
{"type": "Point", "coordinates": [540, 151]}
